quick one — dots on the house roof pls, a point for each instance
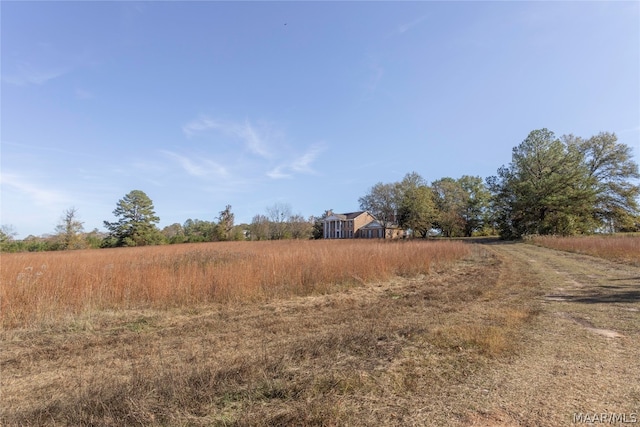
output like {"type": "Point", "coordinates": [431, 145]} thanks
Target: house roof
{"type": "Point", "coordinates": [379, 224]}
{"type": "Point", "coordinates": [373, 224]}
{"type": "Point", "coordinates": [345, 216]}
{"type": "Point", "coordinates": [353, 215]}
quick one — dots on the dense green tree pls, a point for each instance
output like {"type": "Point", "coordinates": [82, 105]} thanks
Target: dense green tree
{"type": "Point", "coordinates": [611, 169]}
{"type": "Point", "coordinates": [137, 221]}
{"type": "Point", "coordinates": [238, 232]}
{"type": "Point", "coordinates": [475, 213]}
{"type": "Point", "coordinates": [451, 201]}
{"type": "Point", "coordinates": [408, 203]}
{"type": "Point", "coordinates": [417, 211]}
{"type": "Point", "coordinates": [410, 181]}
{"type": "Point", "coordinates": [196, 230]}
{"type": "Point", "coordinates": [546, 189]}
{"type": "Point", "coordinates": [7, 233]}
{"type": "Point", "coordinates": [94, 238]}
{"type": "Point", "coordinates": [174, 233]}
{"type": "Point", "coordinates": [7, 236]}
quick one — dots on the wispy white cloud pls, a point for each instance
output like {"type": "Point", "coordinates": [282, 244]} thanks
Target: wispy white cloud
{"type": "Point", "coordinates": [42, 62]}
{"type": "Point", "coordinates": [256, 143]}
{"type": "Point", "coordinates": [200, 168]}
{"type": "Point", "coordinates": [199, 125]}
{"type": "Point", "coordinates": [303, 163]}
{"type": "Point", "coordinates": [40, 196]}
{"type": "Point", "coordinates": [403, 28]}
{"type": "Point", "coordinates": [300, 164]}
{"type": "Point", "coordinates": [265, 141]}
{"type": "Point", "coordinates": [278, 173]}
{"type": "Point", "coordinates": [34, 148]}
{"type": "Point", "coordinates": [254, 138]}
{"type": "Point", "coordinates": [26, 74]}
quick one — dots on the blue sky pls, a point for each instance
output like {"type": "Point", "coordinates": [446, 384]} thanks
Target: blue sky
{"type": "Point", "coordinates": [204, 104]}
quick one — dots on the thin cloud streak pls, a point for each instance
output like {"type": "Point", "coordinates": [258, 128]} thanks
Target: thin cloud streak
{"type": "Point", "coordinates": [258, 140]}
{"type": "Point", "coordinates": [410, 25]}
{"type": "Point", "coordinates": [27, 75]}
{"type": "Point", "coordinates": [301, 164]}
{"type": "Point", "coordinates": [199, 125]}
{"type": "Point", "coordinates": [39, 195]}
{"type": "Point", "coordinates": [253, 140]}
{"type": "Point", "coordinates": [278, 173]}
{"type": "Point", "coordinates": [33, 148]}
{"type": "Point", "coordinates": [201, 169]}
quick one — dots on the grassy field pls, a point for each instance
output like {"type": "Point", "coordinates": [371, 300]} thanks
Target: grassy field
{"type": "Point", "coordinates": [619, 248]}
{"type": "Point", "coordinates": [279, 352]}
{"type": "Point", "coordinates": [50, 287]}
{"type": "Point", "coordinates": [316, 334]}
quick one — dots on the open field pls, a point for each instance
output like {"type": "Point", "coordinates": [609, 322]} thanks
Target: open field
{"type": "Point", "coordinates": [502, 335]}
{"type": "Point", "coordinates": [620, 248]}
{"type": "Point", "coordinates": [50, 287]}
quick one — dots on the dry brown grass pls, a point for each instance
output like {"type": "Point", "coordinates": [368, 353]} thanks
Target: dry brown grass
{"type": "Point", "coordinates": [619, 248]}
{"type": "Point", "coordinates": [475, 341]}
{"type": "Point", "coordinates": [398, 351]}
{"type": "Point", "coordinates": [45, 288]}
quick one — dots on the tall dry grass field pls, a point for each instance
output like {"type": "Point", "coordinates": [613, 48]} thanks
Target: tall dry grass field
{"type": "Point", "coordinates": [46, 288]}
{"type": "Point", "coordinates": [620, 248]}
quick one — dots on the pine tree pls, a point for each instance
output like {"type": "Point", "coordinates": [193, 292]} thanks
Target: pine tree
{"type": "Point", "coordinates": [136, 226]}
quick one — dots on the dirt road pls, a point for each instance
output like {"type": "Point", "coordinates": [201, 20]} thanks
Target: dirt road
{"type": "Point", "coordinates": [581, 357]}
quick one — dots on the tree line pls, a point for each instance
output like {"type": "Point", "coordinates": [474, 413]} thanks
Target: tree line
{"type": "Point", "coordinates": [136, 225]}
{"type": "Point", "coordinates": [565, 186]}
{"type": "Point", "coordinates": [448, 207]}
{"type": "Point", "coordinates": [562, 186]}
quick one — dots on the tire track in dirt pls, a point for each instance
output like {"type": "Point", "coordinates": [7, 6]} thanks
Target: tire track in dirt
{"type": "Point", "coordinates": [581, 355]}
